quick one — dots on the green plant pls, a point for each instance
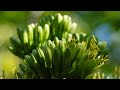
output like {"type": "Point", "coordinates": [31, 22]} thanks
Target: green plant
{"type": "Point", "coordinates": [115, 74]}
{"type": "Point", "coordinates": [51, 50]}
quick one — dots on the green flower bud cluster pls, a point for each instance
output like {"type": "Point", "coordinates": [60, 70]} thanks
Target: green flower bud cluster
{"type": "Point", "coordinates": [30, 38]}
{"type": "Point", "coordinates": [60, 25]}
{"type": "Point", "coordinates": [36, 34]}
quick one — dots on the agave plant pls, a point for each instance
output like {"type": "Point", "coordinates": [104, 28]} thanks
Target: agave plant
{"type": "Point", "coordinates": [51, 50]}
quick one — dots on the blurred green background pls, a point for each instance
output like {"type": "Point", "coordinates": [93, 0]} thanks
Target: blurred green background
{"type": "Point", "coordinates": [105, 25]}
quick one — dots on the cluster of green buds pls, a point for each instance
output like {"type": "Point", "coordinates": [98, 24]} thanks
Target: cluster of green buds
{"type": "Point", "coordinates": [60, 25]}
{"type": "Point", "coordinates": [51, 50]}
{"type": "Point", "coordinates": [35, 35]}
{"type": "Point", "coordinates": [30, 38]}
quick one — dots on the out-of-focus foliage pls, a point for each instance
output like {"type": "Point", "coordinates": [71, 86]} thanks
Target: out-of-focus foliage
{"type": "Point", "coordinates": [100, 75]}
{"type": "Point", "coordinates": [9, 21]}
{"type": "Point", "coordinates": [15, 17]}
{"type": "Point", "coordinates": [104, 24]}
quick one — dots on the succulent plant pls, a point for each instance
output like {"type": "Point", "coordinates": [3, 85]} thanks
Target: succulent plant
{"type": "Point", "coordinates": [51, 50]}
